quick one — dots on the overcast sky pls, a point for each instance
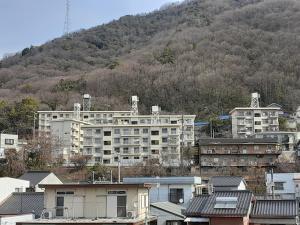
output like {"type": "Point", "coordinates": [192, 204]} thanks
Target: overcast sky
{"type": "Point", "coordinates": [33, 22]}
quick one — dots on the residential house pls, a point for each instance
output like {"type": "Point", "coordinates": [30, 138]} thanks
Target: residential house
{"type": "Point", "coordinates": [224, 207]}
{"type": "Point", "coordinates": [167, 213]}
{"type": "Point", "coordinates": [178, 190]}
{"type": "Point", "coordinates": [9, 185]}
{"type": "Point", "coordinates": [249, 158]}
{"type": "Point", "coordinates": [21, 206]}
{"type": "Point", "coordinates": [102, 203]}
{"type": "Point", "coordinates": [283, 185]}
{"type": "Point", "coordinates": [110, 137]}
{"type": "Point", "coordinates": [247, 121]}
{"type": "Point", "coordinates": [240, 208]}
{"type": "Point", "coordinates": [227, 183]}
{"type": "Point", "coordinates": [39, 177]}
{"type": "Point", "coordinates": [8, 141]}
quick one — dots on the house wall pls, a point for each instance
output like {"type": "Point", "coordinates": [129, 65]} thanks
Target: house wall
{"type": "Point", "coordinates": [8, 185]}
{"type": "Point", "coordinates": [227, 221]}
{"type": "Point", "coordinates": [13, 145]}
{"type": "Point", "coordinates": [161, 193]}
{"type": "Point", "coordinates": [163, 216]}
{"type": "Point", "coordinates": [13, 219]}
{"type": "Point", "coordinates": [94, 202]}
{"type": "Point", "coordinates": [50, 179]}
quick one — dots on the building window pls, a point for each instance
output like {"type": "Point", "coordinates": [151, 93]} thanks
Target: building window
{"type": "Point", "coordinates": [256, 114]}
{"type": "Point", "coordinates": [97, 159]}
{"type": "Point", "coordinates": [121, 206]}
{"type": "Point", "coordinates": [136, 150]}
{"type": "Point", "coordinates": [106, 161]}
{"type": "Point", "coordinates": [176, 195]}
{"type": "Point", "coordinates": [125, 150]}
{"type": "Point", "coordinates": [154, 142]}
{"type": "Point", "coordinates": [256, 147]}
{"type": "Point", "coordinates": [107, 152]}
{"type": "Point", "coordinates": [98, 131]}
{"type": "Point", "coordinates": [126, 141]}
{"type": "Point", "coordinates": [9, 141]}
{"type": "Point", "coordinates": [97, 150]}
{"type": "Point", "coordinates": [173, 130]}
{"type": "Point", "coordinates": [145, 131]}
{"type": "Point", "coordinates": [117, 131]}
{"type": "Point", "coordinates": [145, 149]}
{"type": "Point", "coordinates": [173, 121]}
{"type": "Point", "coordinates": [136, 131]}
{"type": "Point", "coordinates": [60, 206]}
{"type": "Point", "coordinates": [117, 150]}
{"type": "Point", "coordinates": [145, 140]}
{"type": "Point", "coordinates": [117, 140]}
{"type": "Point", "coordinates": [155, 132]}
{"type": "Point", "coordinates": [107, 133]}
{"type": "Point", "coordinates": [107, 142]}
{"type": "Point", "coordinates": [98, 140]}
{"type": "Point", "coordinates": [164, 140]}
{"type": "Point", "coordinates": [136, 157]}
{"type": "Point", "coordinates": [278, 186]}
{"type": "Point", "coordinates": [164, 130]}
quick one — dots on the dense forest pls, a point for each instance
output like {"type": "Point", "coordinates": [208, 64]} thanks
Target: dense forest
{"type": "Point", "coordinates": [201, 57]}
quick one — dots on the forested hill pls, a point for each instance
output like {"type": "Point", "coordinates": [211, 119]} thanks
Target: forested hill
{"type": "Point", "coordinates": [200, 57]}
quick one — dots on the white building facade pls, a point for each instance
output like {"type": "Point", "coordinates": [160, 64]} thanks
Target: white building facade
{"type": "Point", "coordinates": [111, 136]}
{"type": "Point", "coordinates": [247, 121]}
{"type": "Point", "coordinates": [9, 185]}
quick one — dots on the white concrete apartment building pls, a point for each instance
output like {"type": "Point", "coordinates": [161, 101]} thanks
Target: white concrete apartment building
{"type": "Point", "coordinates": [247, 121]}
{"type": "Point", "coordinates": [109, 136]}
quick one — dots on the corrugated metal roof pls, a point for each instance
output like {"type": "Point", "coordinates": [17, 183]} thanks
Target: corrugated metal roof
{"type": "Point", "coordinates": [226, 181]}
{"type": "Point", "coordinates": [162, 180]}
{"type": "Point", "coordinates": [23, 203]}
{"type": "Point", "coordinates": [204, 205]}
{"type": "Point", "coordinates": [34, 177]}
{"type": "Point", "coordinates": [275, 208]}
{"type": "Point", "coordinates": [169, 207]}
{"type": "Point", "coordinates": [222, 141]}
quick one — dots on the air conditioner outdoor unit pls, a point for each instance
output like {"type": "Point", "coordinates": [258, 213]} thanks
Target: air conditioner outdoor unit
{"type": "Point", "coordinates": [47, 215]}
{"type": "Point", "coordinates": [131, 214]}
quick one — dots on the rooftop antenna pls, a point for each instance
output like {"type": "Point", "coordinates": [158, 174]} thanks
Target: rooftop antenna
{"type": "Point", "coordinates": [134, 105]}
{"type": "Point", "coordinates": [255, 100]}
{"type": "Point", "coordinates": [86, 102]}
{"type": "Point", "coordinates": [155, 114]}
{"type": "Point", "coordinates": [67, 18]}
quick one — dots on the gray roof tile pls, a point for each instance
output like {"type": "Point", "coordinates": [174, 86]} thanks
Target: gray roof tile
{"type": "Point", "coordinates": [204, 205]}
{"type": "Point", "coordinates": [169, 207]}
{"type": "Point", "coordinates": [226, 181]}
{"type": "Point", "coordinates": [23, 203]}
{"type": "Point", "coordinates": [34, 177]}
{"type": "Point", "coordinates": [275, 209]}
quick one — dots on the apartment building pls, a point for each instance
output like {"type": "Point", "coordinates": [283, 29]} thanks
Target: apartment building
{"type": "Point", "coordinates": [249, 158]}
{"type": "Point", "coordinates": [104, 203]}
{"type": "Point", "coordinates": [134, 139]}
{"type": "Point", "coordinates": [110, 137]}
{"type": "Point", "coordinates": [247, 121]}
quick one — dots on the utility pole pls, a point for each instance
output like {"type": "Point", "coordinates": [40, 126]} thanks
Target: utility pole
{"type": "Point", "coordinates": [119, 170]}
{"type": "Point", "coordinates": [33, 131]}
{"type": "Point", "coordinates": [181, 144]}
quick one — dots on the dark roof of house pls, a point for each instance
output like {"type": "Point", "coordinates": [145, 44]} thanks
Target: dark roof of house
{"type": "Point", "coordinates": [224, 141]}
{"type": "Point", "coordinates": [204, 205]}
{"type": "Point", "coordinates": [34, 177]}
{"type": "Point", "coordinates": [226, 181]}
{"type": "Point", "coordinates": [169, 207]}
{"type": "Point", "coordinates": [23, 203]}
{"type": "Point", "coordinates": [275, 209]}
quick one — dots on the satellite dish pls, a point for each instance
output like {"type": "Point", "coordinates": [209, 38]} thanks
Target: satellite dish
{"type": "Point", "coordinates": [181, 201]}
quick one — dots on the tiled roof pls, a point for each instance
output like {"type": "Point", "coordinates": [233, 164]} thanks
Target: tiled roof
{"type": "Point", "coordinates": [226, 181]}
{"type": "Point", "coordinates": [275, 209]}
{"type": "Point", "coordinates": [169, 207]}
{"type": "Point", "coordinates": [204, 205]}
{"type": "Point", "coordinates": [23, 203]}
{"type": "Point", "coordinates": [34, 177]}
{"type": "Point", "coordinates": [222, 141]}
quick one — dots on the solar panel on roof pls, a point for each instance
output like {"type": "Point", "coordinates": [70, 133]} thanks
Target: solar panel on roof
{"type": "Point", "coordinates": [226, 202]}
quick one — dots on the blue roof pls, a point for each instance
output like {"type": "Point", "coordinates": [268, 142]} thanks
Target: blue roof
{"type": "Point", "coordinates": [199, 124]}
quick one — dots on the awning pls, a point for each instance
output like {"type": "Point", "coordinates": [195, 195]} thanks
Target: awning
{"type": "Point", "coordinates": [196, 219]}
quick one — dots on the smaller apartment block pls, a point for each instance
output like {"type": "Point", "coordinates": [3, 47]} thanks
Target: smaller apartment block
{"type": "Point", "coordinates": [247, 121]}
{"type": "Point", "coordinates": [221, 156]}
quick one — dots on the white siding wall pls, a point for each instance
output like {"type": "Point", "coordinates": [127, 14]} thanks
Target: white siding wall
{"type": "Point", "coordinates": [8, 185]}
{"type": "Point", "coordinates": [12, 220]}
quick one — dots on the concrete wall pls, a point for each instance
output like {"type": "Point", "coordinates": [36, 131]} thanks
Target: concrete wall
{"type": "Point", "coordinates": [95, 202]}
{"type": "Point", "coordinates": [13, 137]}
{"type": "Point", "coordinates": [163, 216]}
{"type": "Point", "coordinates": [161, 193]}
{"type": "Point", "coordinates": [13, 219]}
{"type": "Point", "coordinates": [50, 179]}
{"type": "Point", "coordinates": [8, 185]}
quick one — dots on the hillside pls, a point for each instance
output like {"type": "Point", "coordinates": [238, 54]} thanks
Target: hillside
{"type": "Point", "coordinates": [199, 57]}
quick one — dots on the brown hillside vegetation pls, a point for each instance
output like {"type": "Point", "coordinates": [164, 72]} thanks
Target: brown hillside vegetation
{"type": "Point", "coordinates": [199, 57]}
